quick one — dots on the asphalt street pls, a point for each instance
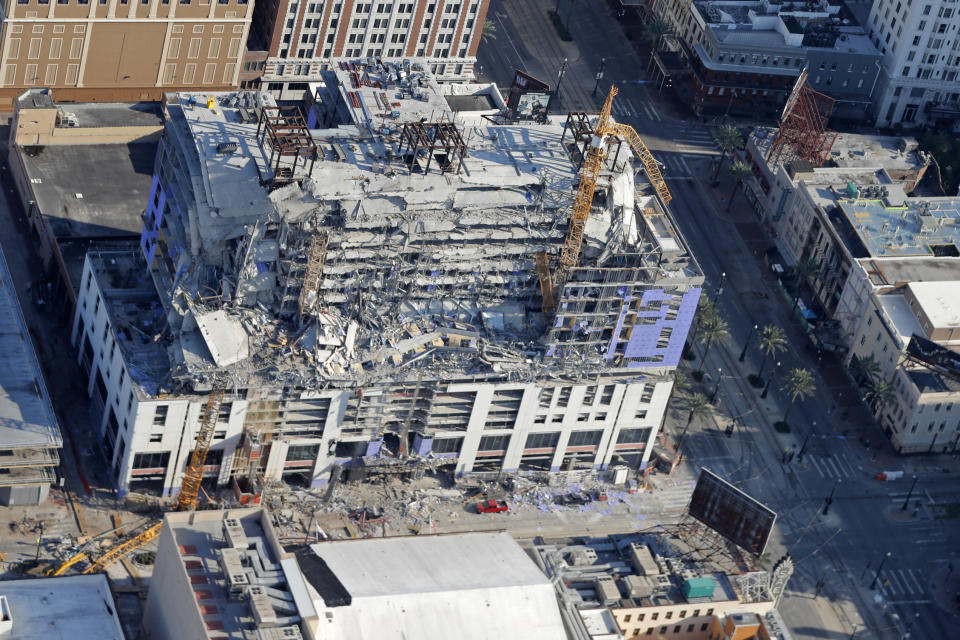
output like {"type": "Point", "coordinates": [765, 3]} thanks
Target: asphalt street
{"type": "Point", "coordinates": [842, 549]}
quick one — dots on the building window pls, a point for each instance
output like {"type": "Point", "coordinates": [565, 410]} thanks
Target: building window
{"type": "Point", "coordinates": [156, 437]}
{"type": "Point", "coordinates": [151, 460]}
{"type": "Point", "coordinates": [160, 414]}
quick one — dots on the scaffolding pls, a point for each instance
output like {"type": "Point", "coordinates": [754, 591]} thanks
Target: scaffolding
{"type": "Point", "coordinates": [803, 133]}
{"type": "Point", "coordinates": [316, 256]}
{"type": "Point", "coordinates": [434, 140]}
{"type": "Point", "coordinates": [283, 132]}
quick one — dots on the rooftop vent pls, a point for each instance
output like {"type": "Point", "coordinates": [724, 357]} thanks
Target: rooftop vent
{"type": "Point", "coordinates": [227, 147]}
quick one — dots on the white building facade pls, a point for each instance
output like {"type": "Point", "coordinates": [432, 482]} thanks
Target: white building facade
{"type": "Point", "coordinates": [921, 48]}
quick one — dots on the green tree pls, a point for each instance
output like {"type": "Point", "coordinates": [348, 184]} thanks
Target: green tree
{"type": "Point", "coordinates": [730, 139]}
{"type": "Point", "coordinates": [864, 370]}
{"type": "Point", "coordinates": [713, 329]}
{"type": "Point", "coordinates": [739, 172]}
{"type": "Point", "coordinates": [681, 381]}
{"type": "Point", "coordinates": [489, 31]}
{"type": "Point", "coordinates": [770, 340]}
{"type": "Point", "coordinates": [879, 393]}
{"type": "Point", "coordinates": [799, 385]}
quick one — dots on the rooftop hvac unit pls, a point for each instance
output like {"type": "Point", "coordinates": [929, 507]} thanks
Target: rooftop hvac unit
{"type": "Point", "coordinates": [582, 556]}
{"type": "Point", "coordinates": [237, 580]}
{"type": "Point", "coordinates": [263, 612]}
{"type": "Point", "coordinates": [642, 560]}
{"type": "Point", "coordinates": [234, 535]}
{"type": "Point", "coordinates": [607, 591]}
{"type": "Point", "coordinates": [280, 633]}
{"type": "Point", "coordinates": [663, 583]}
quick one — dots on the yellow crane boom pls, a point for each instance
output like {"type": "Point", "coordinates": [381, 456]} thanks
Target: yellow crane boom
{"type": "Point", "coordinates": [570, 253]}
{"type": "Point", "coordinates": [190, 490]}
{"type": "Point", "coordinates": [593, 163]}
{"type": "Point", "coordinates": [186, 499]}
{"type": "Point", "coordinates": [628, 133]}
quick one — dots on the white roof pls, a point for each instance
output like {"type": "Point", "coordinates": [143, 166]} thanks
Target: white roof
{"type": "Point", "coordinates": [464, 586]}
{"type": "Point", "coordinates": [940, 302]}
{"type": "Point", "coordinates": [904, 320]}
{"type": "Point", "coordinates": [65, 608]}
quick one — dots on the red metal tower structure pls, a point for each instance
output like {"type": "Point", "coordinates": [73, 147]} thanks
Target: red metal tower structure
{"type": "Point", "coordinates": [803, 133]}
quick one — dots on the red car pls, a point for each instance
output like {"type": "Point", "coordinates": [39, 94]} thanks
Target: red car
{"type": "Point", "coordinates": [492, 506]}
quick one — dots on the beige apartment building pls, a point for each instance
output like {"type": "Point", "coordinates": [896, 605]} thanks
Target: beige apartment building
{"type": "Point", "coordinates": [121, 50]}
{"type": "Point", "coordinates": [293, 40]}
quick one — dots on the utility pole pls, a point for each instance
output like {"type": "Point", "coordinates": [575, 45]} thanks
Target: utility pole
{"type": "Point", "coordinates": [743, 354]}
{"type": "Point", "coordinates": [716, 389]}
{"type": "Point", "coordinates": [599, 76]}
{"type": "Point", "coordinates": [556, 92]}
{"type": "Point", "coordinates": [873, 585]}
{"type": "Point", "coordinates": [909, 493]}
{"type": "Point", "coordinates": [803, 447]}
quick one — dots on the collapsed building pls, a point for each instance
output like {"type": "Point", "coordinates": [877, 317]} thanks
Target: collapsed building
{"type": "Point", "coordinates": [366, 297]}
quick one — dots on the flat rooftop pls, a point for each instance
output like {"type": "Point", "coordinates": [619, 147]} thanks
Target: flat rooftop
{"type": "Point", "coordinates": [889, 271]}
{"type": "Point", "coordinates": [76, 187]}
{"type": "Point", "coordinates": [939, 301]}
{"type": "Point", "coordinates": [201, 540]}
{"type": "Point", "coordinates": [135, 314]}
{"type": "Point", "coordinates": [115, 114]}
{"type": "Point", "coordinates": [903, 318]}
{"type": "Point", "coordinates": [26, 413]}
{"type": "Point", "coordinates": [858, 151]}
{"type": "Point", "coordinates": [465, 586]}
{"type": "Point", "coordinates": [75, 607]}
{"type": "Point", "coordinates": [385, 93]}
{"type": "Point", "coordinates": [922, 226]}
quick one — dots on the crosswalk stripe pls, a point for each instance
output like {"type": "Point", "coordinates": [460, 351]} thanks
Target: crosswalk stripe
{"type": "Point", "coordinates": [816, 466]}
{"type": "Point", "coordinates": [890, 583]}
{"type": "Point", "coordinates": [915, 580]}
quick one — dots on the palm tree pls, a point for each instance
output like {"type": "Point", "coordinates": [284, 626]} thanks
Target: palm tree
{"type": "Point", "coordinates": [705, 309]}
{"type": "Point", "coordinates": [681, 381]}
{"type": "Point", "coordinates": [656, 30]}
{"type": "Point", "coordinates": [739, 172]}
{"type": "Point", "coordinates": [879, 392]}
{"type": "Point", "coordinates": [864, 370]}
{"type": "Point", "coordinates": [489, 31]}
{"type": "Point", "coordinates": [799, 385]}
{"type": "Point", "coordinates": [714, 328]}
{"type": "Point", "coordinates": [698, 405]}
{"type": "Point", "coordinates": [770, 340]}
{"type": "Point", "coordinates": [729, 139]}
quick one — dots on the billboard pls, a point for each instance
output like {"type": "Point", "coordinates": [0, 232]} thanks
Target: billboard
{"type": "Point", "coordinates": [731, 512]}
{"type": "Point", "coordinates": [532, 106]}
{"type": "Point", "coordinates": [528, 97]}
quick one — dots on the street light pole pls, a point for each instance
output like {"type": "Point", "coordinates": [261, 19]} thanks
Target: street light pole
{"type": "Point", "coordinates": [909, 494]}
{"type": "Point", "coordinates": [599, 76]}
{"type": "Point", "coordinates": [873, 585]}
{"type": "Point", "coordinates": [556, 92]}
{"type": "Point", "coordinates": [803, 447]}
{"type": "Point", "coordinates": [829, 500]}
{"type": "Point", "coordinates": [723, 277]}
{"type": "Point", "coordinates": [766, 387]}
{"type": "Point", "coordinates": [743, 354]}
{"type": "Point", "coordinates": [716, 389]}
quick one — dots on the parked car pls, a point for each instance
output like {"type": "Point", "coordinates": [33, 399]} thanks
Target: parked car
{"type": "Point", "coordinates": [492, 506]}
{"type": "Point", "coordinates": [573, 499]}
